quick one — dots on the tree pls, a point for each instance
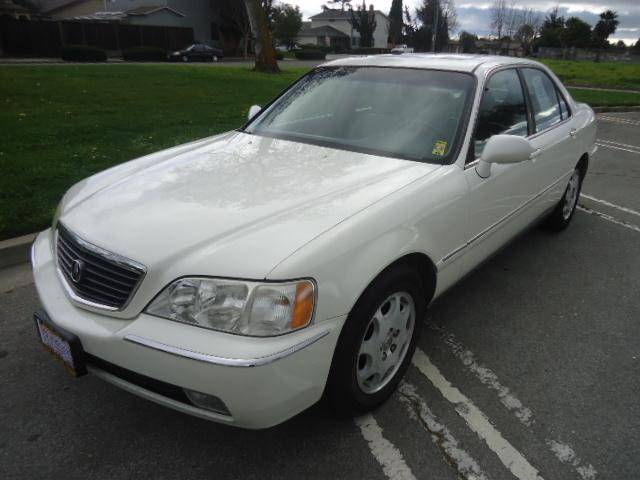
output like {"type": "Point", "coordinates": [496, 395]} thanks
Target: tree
{"type": "Point", "coordinates": [364, 21]}
{"type": "Point", "coordinates": [410, 28]}
{"type": "Point", "coordinates": [341, 2]}
{"type": "Point", "coordinates": [440, 14]}
{"type": "Point", "coordinates": [395, 22]}
{"type": "Point", "coordinates": [287, 22]}
{"type": "Point", "coordinates": [265, 53]}
{"type": "Point", "coordinates": [499, 13]}
{"type": "Point", "coordinates": [576, 33]}
{"type": "Point", "coordinates": [606, 26]}
{"type": "Point", "coordinates": [468, 41]}
{"type": "Point", "coordinates": [551, 31]}
{"type": "Point", "coordinates": [233, 17]}
{"type": "Point", "coordinates": [269, 9]}
{"type": "Point", "coordinates": [525, 36]}
{"type": "Point", "coordinates": [636, 47]}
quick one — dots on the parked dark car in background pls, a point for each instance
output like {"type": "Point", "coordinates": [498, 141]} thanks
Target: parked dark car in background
{"type": "Point", "coordinates": [197, 52]}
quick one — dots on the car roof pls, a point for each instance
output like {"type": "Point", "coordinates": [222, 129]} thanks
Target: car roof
{"type": "Point", "coordinates": [435, 61]}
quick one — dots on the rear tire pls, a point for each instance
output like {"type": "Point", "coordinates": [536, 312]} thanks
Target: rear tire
{"type": "Point", "coordinates": [377, 342]}
{"type": "Point", "coordinates": [562, 214]}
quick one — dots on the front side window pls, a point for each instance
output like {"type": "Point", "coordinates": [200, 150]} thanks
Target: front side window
{"type": "Point", "coordinates": [544, 98]}
{"type": "Point", "coordinates": [397, 112]}
{"type": "Point", "coordinates": [502, 109]}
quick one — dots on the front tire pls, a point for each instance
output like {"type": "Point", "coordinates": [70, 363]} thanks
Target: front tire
{"type": "Point", "coordinates": [562, 214]}
{"type": "Point", "coordinates": [377, 342]}
{"type": "Point", "coordinates": [185, 59]}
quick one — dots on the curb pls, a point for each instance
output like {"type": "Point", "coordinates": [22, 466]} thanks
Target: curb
{"type": "Point", "coordinates": [15, 251]}
{"type": "Point", "coordinates": [616, 109]}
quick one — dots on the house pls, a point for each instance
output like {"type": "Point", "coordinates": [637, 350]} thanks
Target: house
{"type": "Point", "coordinates": [196, 14]}
{"type": "Point", "coordinates": [332, 27]}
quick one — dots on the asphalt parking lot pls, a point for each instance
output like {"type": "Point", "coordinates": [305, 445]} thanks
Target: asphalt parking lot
{"type": "Point", "coordinates": [529, 368]}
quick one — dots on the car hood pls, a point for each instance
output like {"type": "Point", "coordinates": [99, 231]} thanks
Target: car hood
{"type": "Point", "coordinates": [233, 205]}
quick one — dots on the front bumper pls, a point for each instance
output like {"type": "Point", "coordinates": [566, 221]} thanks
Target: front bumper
{"type": "Point", "coordinates": [261, 381]}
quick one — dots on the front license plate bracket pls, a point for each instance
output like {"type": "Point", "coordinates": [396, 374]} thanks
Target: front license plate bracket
{"type": "Point", "coordinates": [64, 346]}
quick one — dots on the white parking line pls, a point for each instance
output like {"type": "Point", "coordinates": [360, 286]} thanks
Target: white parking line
{"type": "Point", "coordinates": [565, 454]}
{"type": "Point", "coordinates": [385, 452]}
{"type": "Point", "coordinates": [465, 465]}
{"type": "Point", "coordinates": [606, 145]}
{"type": "Point", "coordinates": [562, 451]}
{"type": "Point", "coordinates": [512, 459]}
{"type": "Point", "coordinates": [627, 121]}
{"type": "Point", "coordinates": [608, 218]}
{"type": "Point", "coordinates": [612, 205]}
{"type": "Point", "coordinates": [488, 378]}
{"type": "Point", "coordinates": [617, 143]}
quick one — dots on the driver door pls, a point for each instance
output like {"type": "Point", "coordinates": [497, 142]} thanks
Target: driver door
{"type": "Point", "coordinates": [497, 204]}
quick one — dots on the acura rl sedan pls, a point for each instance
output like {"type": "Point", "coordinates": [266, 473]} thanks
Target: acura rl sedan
{"type": "Point", "coordinates": [242, 277]}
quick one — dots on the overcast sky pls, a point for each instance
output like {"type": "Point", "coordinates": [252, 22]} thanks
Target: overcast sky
{"type": "Point", "coordinates": [473, 15]}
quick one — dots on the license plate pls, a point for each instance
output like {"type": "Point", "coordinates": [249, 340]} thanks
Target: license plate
{"type": "Point", "coordinates": [64, 346]}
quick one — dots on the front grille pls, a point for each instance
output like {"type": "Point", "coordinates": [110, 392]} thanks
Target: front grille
{"type": "Point", "coordinates": [95, 275]}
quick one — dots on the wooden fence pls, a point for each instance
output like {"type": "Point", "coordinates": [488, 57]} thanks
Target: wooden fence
{"type": "Point", "coordinates": [44, 38]}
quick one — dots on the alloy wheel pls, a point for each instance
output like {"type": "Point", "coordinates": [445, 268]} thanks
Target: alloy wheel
{"type": "Point", "coordinates": [385, 342]}
{"type": "Point", "coordinates": [571, 195]}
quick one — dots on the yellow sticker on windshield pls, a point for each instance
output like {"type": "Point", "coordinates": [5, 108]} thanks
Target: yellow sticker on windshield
{"type": "Point", "coordinates": [439, 148]}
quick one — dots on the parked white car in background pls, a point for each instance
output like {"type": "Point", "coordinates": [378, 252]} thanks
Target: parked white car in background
{"type": "Point", "coordinates": [239, 277]}
{"type": "Point", "coordinates": [402, 49]}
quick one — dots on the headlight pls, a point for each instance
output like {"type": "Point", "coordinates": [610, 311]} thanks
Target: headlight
{"type": "Point", "coordinates": [234, 306]}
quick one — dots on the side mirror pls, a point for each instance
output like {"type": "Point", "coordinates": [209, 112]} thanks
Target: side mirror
{"type": "Point", "coordinates": [253, 111]}
{"type": "Point", "coordinates": [504, 149]}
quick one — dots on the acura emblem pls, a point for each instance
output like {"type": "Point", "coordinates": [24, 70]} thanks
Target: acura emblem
{"type": "Point", "coordinates": [77, 269]}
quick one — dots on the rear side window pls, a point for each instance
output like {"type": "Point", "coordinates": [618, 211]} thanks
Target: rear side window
{"type": "Point", "coordinates": [564, 108]}
{"type": "Point", "coordinates": [544, 98]}
{"type": "Point", "coordinates": [502, 109]}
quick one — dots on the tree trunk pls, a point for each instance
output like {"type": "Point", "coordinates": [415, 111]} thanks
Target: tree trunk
{"type": "Point", "coordinates": [265, 53]}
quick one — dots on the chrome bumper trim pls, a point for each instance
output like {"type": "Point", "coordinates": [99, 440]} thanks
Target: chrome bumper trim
{"type": "Point", "coordinates": [224, 361]}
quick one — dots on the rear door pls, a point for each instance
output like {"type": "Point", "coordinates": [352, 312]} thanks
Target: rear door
{"type": "Point", "coordinates": [553, 136]}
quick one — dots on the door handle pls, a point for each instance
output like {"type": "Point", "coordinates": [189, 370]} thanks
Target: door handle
{"type": "Point", "coordinates": [535, 154]}
{"type": "Point", "coordinates": [573, 132]}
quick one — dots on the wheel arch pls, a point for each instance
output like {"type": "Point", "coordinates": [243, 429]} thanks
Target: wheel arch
{"type": "Point", "coordinates": [583, 164]}
{"type": "Point", "coordinates": [417, 261]}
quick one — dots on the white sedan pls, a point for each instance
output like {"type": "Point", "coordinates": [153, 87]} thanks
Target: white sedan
{"type": "Point", "coordinates": [239, 277]}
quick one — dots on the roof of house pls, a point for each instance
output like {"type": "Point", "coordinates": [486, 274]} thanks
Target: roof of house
{"type": "Point", "coordinates": [119, 16]}
{"type": "Point", "coordinates": [323, 31]}
{"type": "Point", "coordinates": [435, 61]}
{"type": "Point", "coordinates": [149, 9]}
{"type": "Point", "coordinates": [337, 14]}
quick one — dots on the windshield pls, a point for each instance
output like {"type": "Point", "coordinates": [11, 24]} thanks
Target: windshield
{"type": "Point", "coordinates": [397, 112]}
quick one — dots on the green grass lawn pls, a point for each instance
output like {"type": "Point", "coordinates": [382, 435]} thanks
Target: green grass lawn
{"type": "Point", "coordinates": [59, 124]}
{"type": "Point", "coordinates": [591, 74]}
{"type": "Point", "coordinates": [599, 98]}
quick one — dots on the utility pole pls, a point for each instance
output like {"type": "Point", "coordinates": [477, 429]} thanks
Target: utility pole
{"type": "Point", "coordinates": [434, 37]}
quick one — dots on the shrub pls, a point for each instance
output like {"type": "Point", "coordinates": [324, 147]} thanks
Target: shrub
{"type": "Point", "coordinates": [144, 54]}
{"type": "Point", "coordinates": [368, 51]}
{"type": "Point", "coordinates": [310, 54]}
{"type": "Point", "coordinates": [82, 53]}
{"type": "Point", "coordinates": [279, 55]}
{"type": "Point", "coordinates": [311, 46]}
